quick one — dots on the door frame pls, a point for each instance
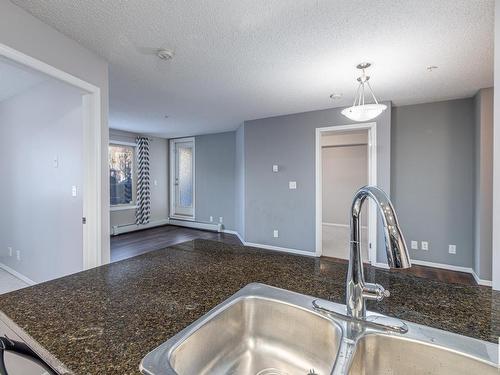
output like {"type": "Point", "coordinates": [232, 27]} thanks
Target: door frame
{"type": "Point", "coordinates": [91, 110]}
{"type": "Point", "coordinates": [372, 180]}
{"type": "Point", "coordinates": [172, 143]}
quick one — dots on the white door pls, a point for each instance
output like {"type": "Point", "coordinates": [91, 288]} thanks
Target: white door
{"type": "Point", "coordinates": [182, 178]}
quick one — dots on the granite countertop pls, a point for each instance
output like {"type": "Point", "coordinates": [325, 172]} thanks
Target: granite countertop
{"type": "Point", "coordinates": [104, 320]}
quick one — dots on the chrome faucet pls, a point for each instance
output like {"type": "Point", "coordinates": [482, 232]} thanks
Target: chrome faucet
{"type": "Point", "coordinates": [358, 291]}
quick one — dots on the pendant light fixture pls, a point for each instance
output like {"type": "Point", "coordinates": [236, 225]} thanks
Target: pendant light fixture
{"type": "Point", "coordinates": [360, 110]}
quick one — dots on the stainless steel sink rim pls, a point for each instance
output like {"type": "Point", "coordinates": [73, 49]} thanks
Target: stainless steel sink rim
{"type": "Point", "coordinates": [158, 361]}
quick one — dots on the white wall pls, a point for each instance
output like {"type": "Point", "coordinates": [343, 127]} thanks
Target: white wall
{"type": "Point", "coordinates": [39, 216]}
{"type": "Point", "coordinates": [483, 213]}
{"type": "Point", "coordinates": [496, 157]}
{"type": "Point", "coordinates": [25, 33]}
{"type": "Point", "coordinates": [158, 172]}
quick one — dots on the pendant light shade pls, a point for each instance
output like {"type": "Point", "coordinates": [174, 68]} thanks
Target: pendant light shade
{"type": "Point", "coordinates": [360, 110]}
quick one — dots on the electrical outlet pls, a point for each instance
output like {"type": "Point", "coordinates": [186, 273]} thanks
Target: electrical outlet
{"type": "Point", "coordinates": [275, 233]}
{"type": "Point", "coordinates": [221, 219]}
{"type": "Point", "coordinates": [55, 162]}
{"type": "Point", "coordinates": [425, 245]}
{"type": "Point", "coordinates": [73, 191]}
{"type": "Point", "coordinates": [18, 255]}
{"type": "Point", "coordinates": [414, 245]}
{"type": "Point", "coordinates": [211, 219]}
{"type": "Point", "coordinates": [10, 251]}
{"type": "Point", "coordinates": [155, 182]}
{"type": "Point", "coordinates": [275, 168]}
{"type": "Point", "coordinates": [292, 185]}
{"type": "Point", "coordinates": [452, 249]}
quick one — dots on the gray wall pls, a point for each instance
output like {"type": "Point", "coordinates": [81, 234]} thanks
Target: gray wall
{"type": "Point", "coordinates": [239, 182]}
{"type": "Point", "coordinates": [39, 216]}
{"type": "Point", "coordinates": [158, 172]}
{"type": "Point", "coordinates": [215, 178]}
{"type": "Point", "coordinates": [289, 141]}
{"type": "Point", "coordinates": [483, 103]}
{"type": "Point", "coordinates": [433, 178]}
{"type": "Point", "coordinates": [25, 33]}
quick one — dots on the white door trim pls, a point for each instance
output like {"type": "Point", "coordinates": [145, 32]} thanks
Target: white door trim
{"type": "Point", "coordinates": [172, 178]}
{"type": "Point", "coordinates": [91, 109]}
{"type": "Point", "coordinates": [372, 180]}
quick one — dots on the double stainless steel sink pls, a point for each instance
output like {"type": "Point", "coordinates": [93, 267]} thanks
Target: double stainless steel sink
{"type": "Point", "coordinates": [262, 330]}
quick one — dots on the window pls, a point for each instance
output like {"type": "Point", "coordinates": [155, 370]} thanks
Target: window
{"type": "Point", "coordinates": [121, 174]}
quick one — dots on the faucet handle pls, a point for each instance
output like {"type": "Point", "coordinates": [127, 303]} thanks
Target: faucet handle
{"type": "Point", "coordinates": [375, 292]}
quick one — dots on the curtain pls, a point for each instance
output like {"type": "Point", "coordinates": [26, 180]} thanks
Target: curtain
{"type": "Point", "coordinates": [143, 211]}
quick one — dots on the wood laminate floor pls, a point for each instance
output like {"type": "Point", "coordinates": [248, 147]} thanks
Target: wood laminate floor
{"type": "Point", "coordinates": [131, 244]}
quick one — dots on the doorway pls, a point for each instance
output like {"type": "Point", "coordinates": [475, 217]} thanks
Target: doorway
{"type": "Point", "coordinates": [182, 181]}
{"type": "Point", "coordinates": [345, 161]}
{"type": "Point", "coordinates": [68, 172]}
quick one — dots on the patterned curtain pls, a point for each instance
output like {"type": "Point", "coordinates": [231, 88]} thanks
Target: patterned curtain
{"type": "Point", "coordinates": [143, 211]}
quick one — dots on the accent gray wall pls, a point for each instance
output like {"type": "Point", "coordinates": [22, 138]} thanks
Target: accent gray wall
{"type": "Point", "coordinates": [27, 34]}
{"type": "Point", "coordinates": [158, 153]}
{"type": "Point", "coordinates": [433, 175]}
{"type": "Point", "coordinates": [215, 178]}
{"type": "Point", "coordinates": [483, 103]}
{"type": "Point", "coordinates": [289, 141]}
{"type": "Point", "coordinates": [239, 186]}
{"type": "Point", "coordinates": [39, 216]}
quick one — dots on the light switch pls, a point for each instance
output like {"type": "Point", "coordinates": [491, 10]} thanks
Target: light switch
{"type": "Point", "coordinates": [275, 168]}
{"type": "Point", "coordinates": [452, 249]}
{"type": "Point", "coordinates": [55, 162]}
{"type": "Point", "coordinates": [73, 191]}
{"type": "Point", "coordinates": [292, 185]}
{"type": "Point", "coordinates": [155, 182]}
{"type": "Point", "coordinates": [275, 233]}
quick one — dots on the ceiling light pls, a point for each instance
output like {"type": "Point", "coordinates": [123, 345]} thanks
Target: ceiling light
{"type": "Point", "coordinates": [165, 54]}
{"type": "Point", "coordinates": [360, 110]}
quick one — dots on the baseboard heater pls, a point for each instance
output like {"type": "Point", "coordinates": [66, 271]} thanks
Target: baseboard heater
{"type": "Point", "coordinates": [216, 227]}
{"type": "Point", "coordinates": [125, 228]}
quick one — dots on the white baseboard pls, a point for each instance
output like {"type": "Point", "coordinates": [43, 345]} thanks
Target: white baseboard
{"type": "Point", "coordinates": [282, 249]}
{"type": "Point", "coordinates": [481, 281]}
{"type": "Point", "coordinates": [197, 225]}
{"type": "Point", "coordinates": [235, 233]}
{"type": "Point", "coordinates": [133, 227]}
{"type": "Point", "coordinates": [20, 276]}
{"type": "Point", "coordinates": [444, 267]}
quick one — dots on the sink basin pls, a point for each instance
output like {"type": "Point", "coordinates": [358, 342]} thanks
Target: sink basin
{"type": "Point", "coordinates": [259, 336]}
{"type": "Point", "coordinates": [262, 330]}
{"type": "Point", "coordinates": [259, 331]}
{"type": "Point", "coordinates": [380, 354]}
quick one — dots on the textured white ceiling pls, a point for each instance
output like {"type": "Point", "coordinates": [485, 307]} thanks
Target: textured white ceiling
{"type": "Point", "coordinates": [15, 78]}
{"type": "Point", "coordinates": [247, 59]}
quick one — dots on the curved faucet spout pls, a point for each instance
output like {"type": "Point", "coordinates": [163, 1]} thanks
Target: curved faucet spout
{"type": "Point", "coordinates": [397, 253]}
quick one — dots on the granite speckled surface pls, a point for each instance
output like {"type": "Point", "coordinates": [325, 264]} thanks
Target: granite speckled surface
{"type": "Point", "coordinates": [103, 321]}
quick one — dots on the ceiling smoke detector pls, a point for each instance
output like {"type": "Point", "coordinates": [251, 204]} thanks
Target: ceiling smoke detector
{"type": "Point", "coordinates": [336, 96]}
{"type": "Point", "coordinates": [165, 54]}
{"type": "Point", "coordinates": [431, 68]}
